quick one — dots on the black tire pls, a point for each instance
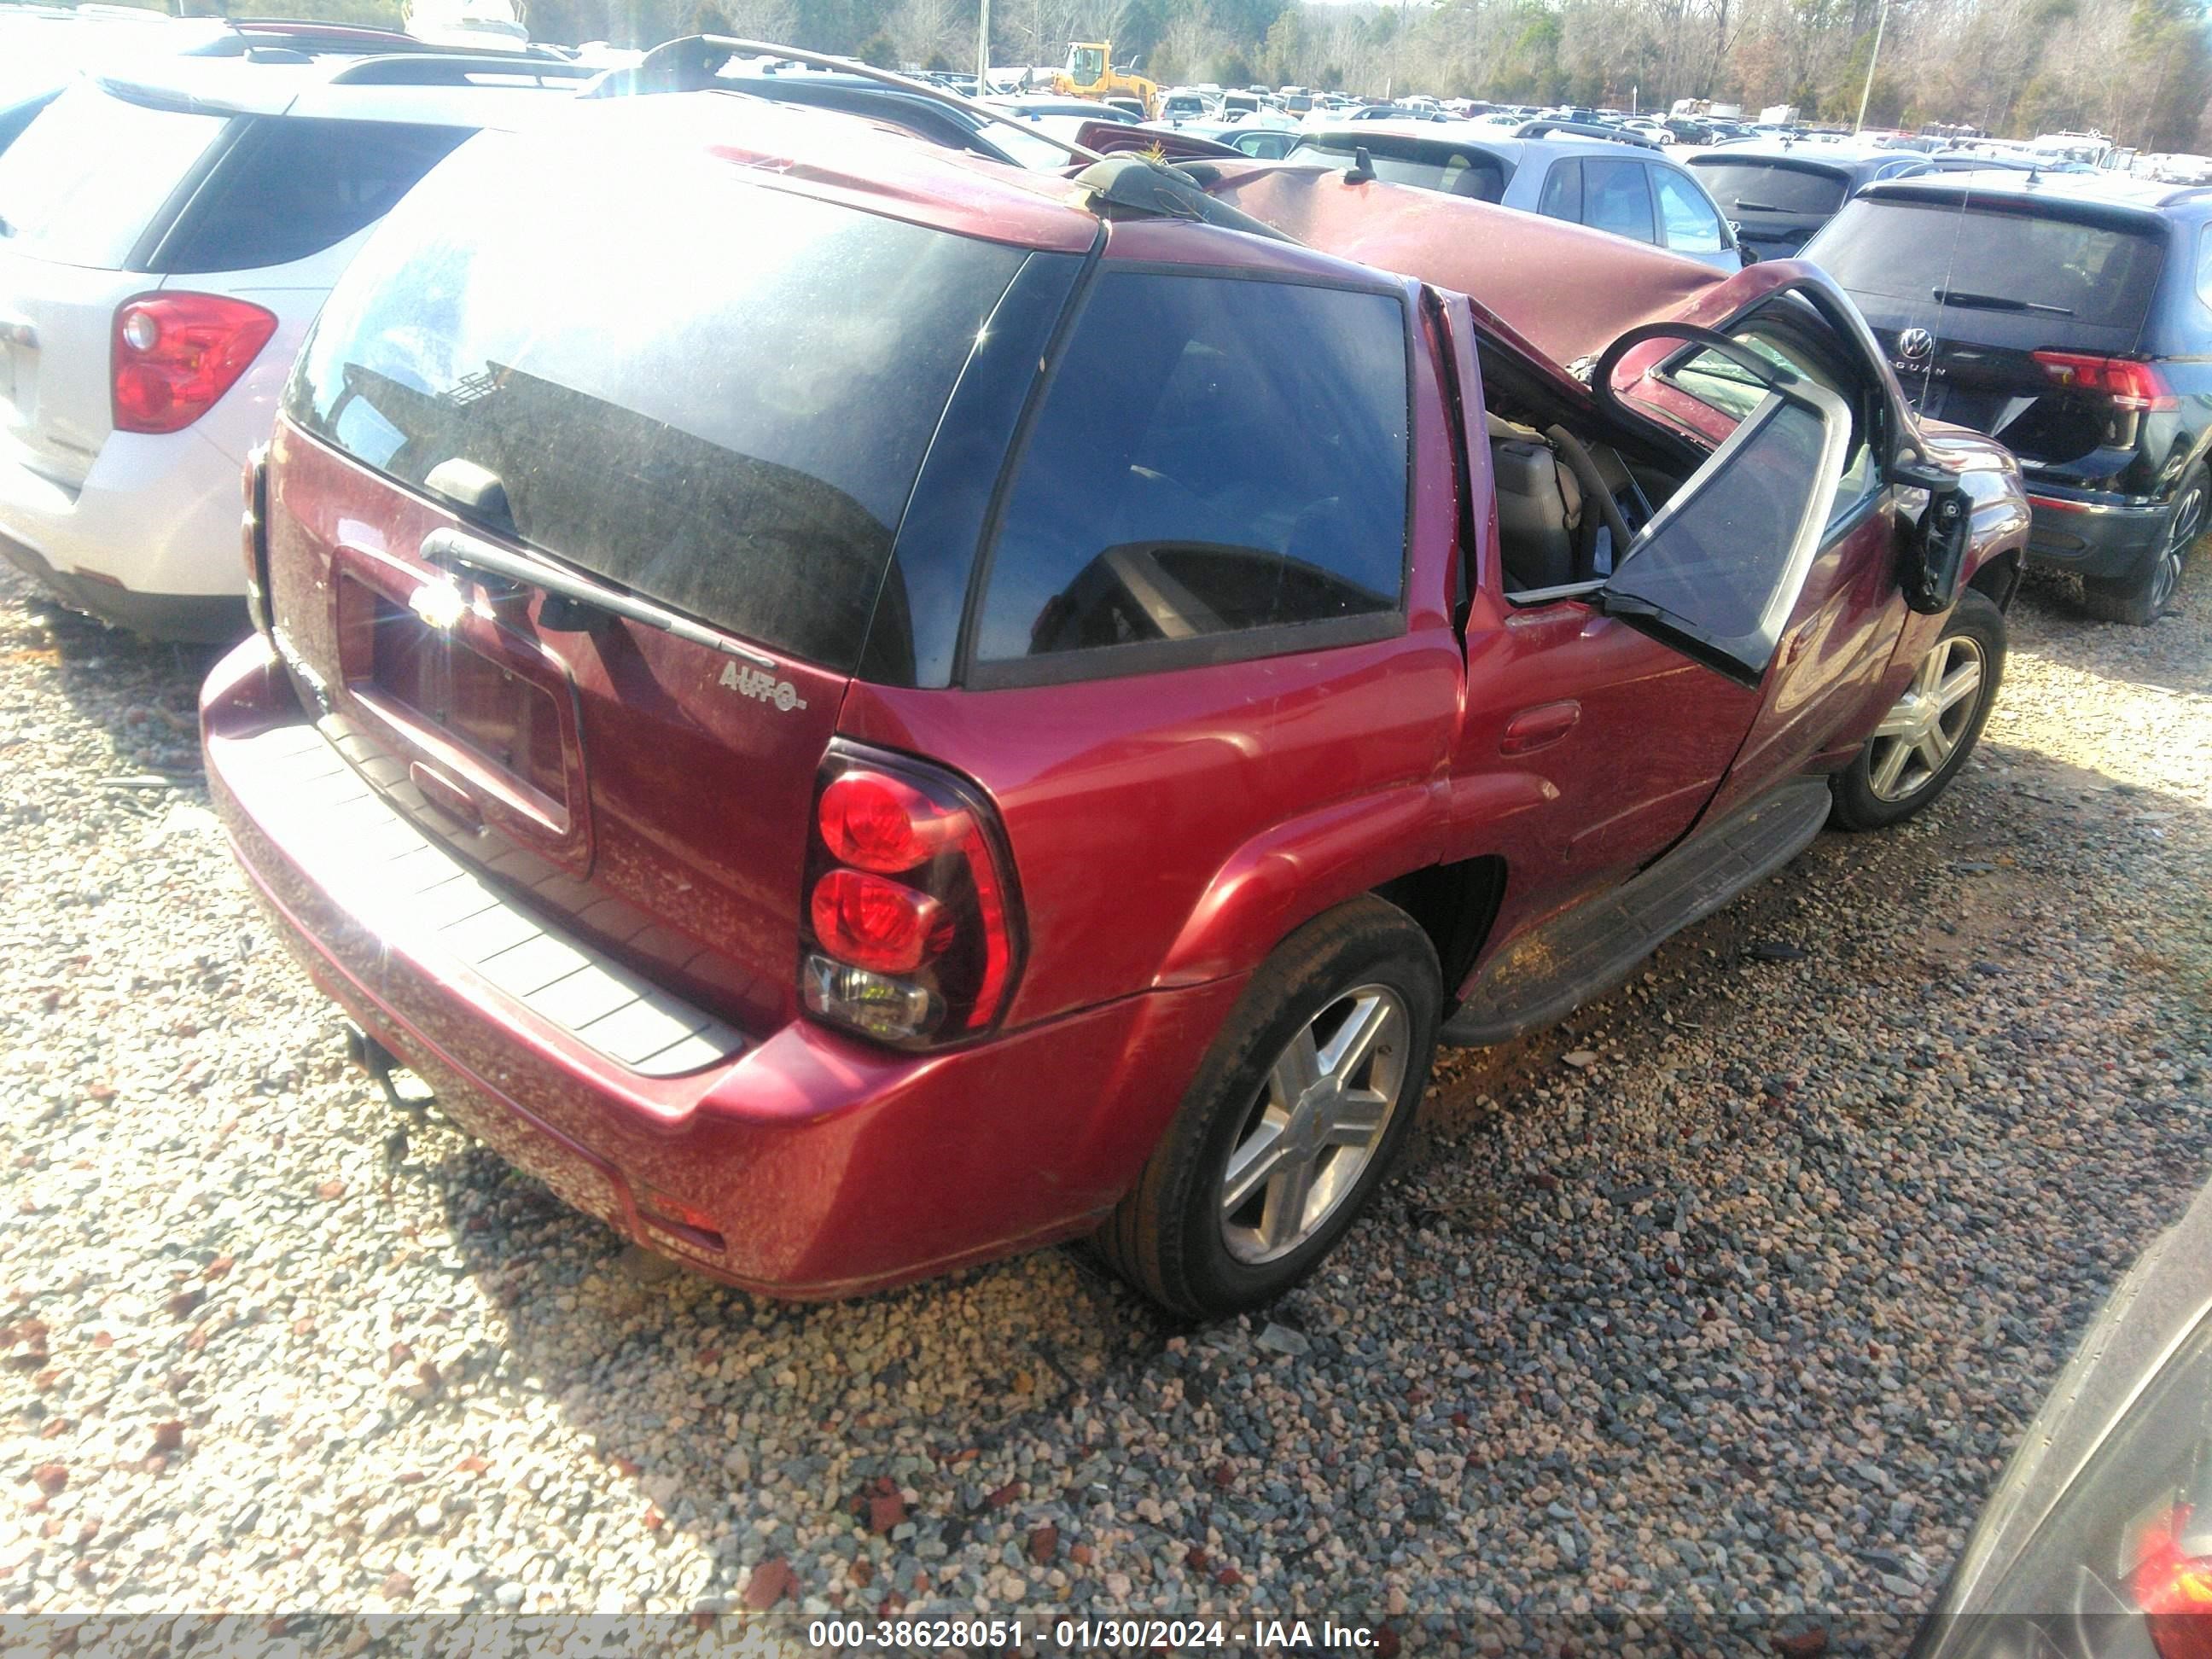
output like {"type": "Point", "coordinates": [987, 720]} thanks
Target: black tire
{"type": "Point", "coordinates": [2141, 597]}
{"type": "Point", "coordinates": [1168, 1236]}
{"type": "Point", "coordinates": [1859, 804]}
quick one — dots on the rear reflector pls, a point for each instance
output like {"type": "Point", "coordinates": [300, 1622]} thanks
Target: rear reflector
{"type": "Point", "coordinates": [174, 356]}
{"type": "Point", "coordinates": [2128, 384]}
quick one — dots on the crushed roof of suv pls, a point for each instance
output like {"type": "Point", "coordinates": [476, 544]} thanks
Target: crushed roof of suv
{"type": "Point", "coordinates": [1594, 285]}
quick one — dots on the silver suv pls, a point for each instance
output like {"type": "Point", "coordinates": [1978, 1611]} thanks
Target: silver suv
{"type": "Point", "coordinates": [1628, 188]}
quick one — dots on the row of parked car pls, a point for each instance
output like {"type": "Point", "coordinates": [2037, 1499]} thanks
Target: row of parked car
{"type": "Point", "coordinates": [2061, 308]}
{"type": "Point", "coordinates": [262, 199]}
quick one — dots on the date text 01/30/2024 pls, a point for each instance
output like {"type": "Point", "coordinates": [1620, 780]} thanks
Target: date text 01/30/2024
{"type": "Point", "coordinates": [1080, 1635]}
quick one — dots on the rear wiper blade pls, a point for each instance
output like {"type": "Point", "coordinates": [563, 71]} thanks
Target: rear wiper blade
{"type": "Point", "coordinates": [1952, 296]}
{"type": "Point", "coordinates": [1743, 206]}
{"type": "Point", "coordinates": [456, 550]}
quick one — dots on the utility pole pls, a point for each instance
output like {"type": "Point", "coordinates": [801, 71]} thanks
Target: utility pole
{"type": "Point", "coordinates": [1880, 21]}
{"type": "Point", "coordinates": [983, 51]}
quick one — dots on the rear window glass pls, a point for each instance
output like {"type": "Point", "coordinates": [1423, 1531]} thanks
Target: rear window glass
{"type": "Point", "coordinates": [292, 186]}
{"type": "Point", "coordinates": [1425, 166]}
{"type": "Point", "coordinates": [2095, 274]}
{"type": "Point", "coordinates": [719, 398]}
{"type": "Point", "coordinates": [1770, 187]}
{"type": "Point", "coordinates": [91, 174]}
{"type": "Point", "coordinates": [1211, 456]}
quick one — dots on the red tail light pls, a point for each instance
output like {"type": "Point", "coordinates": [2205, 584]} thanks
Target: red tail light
{"type": "Point", "coordinates": [912, 927]}
{"type": "Point", "coordinates": [873, 821]}
{"type": "Point", "coordinates": [873, 923]}
{"type": "Point", "coordinates": [2173, 1585]}
{"type": "Point", "coordinates": [2128, 384]}
{"type": "Point", "coordinates": [174, 355]}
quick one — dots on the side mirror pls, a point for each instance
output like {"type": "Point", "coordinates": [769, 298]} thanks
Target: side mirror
{"type": "Point", "coordinates": [1935, 546]}
{"type": "Point", "coordinates": [1744, 250]}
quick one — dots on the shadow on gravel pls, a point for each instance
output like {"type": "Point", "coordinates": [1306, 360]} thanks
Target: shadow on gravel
{"type": "Point", "coordinates": [143, 693]}
{"type": "Point", "coordinates": [2173, 654]}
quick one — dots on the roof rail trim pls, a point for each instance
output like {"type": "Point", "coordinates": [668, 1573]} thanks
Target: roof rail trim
{"type": "Point", "coordinates": [452, 68]}
{"type": "Point", "coordinates": [681, 65]}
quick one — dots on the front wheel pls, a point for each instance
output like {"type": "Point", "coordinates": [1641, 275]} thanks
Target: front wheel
{"type": "Point", "coordinates": [1292, 1121]}
{"type": "Point", "coordinates": [2141, 597]}
{"type": "Point", "coordinates": [1928, 733]}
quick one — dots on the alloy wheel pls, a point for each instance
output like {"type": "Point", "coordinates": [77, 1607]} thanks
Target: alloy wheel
{"type": "Point", "coordinates": [1923, 731]}
{"type": "Point", "coordinates": [2187, 524]}
{"type": "Point", "coordinates": [1329, 1099]}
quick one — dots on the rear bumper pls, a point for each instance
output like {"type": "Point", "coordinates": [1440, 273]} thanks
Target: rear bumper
{"type": "Point", "coordinates": [149, 542]}
{"type": "Point", "coordinates": [2095, 534]}
{"type": "Point", "coordinates": [187, 618]}
{"type": "Point", "coordinates": [805, 1164]}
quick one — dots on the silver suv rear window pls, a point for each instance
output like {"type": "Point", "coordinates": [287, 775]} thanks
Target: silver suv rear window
{"type": "Point", "coordinates": [91, 174]}
{"type": "Point", "coordinates": [711, 390]}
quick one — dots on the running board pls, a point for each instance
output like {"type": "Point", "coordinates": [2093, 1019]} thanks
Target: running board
{"type": "Point", "coordinates": [1544, 977]}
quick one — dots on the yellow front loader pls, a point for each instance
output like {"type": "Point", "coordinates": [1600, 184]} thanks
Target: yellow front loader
{"type": "Point", "coordinates": [1090, 74]}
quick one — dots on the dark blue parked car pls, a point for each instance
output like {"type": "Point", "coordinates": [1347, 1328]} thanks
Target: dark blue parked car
{"type": "Point", "coordinates": [2071, 317]}
{"type": "Point", "coordinates": [1778, 193]}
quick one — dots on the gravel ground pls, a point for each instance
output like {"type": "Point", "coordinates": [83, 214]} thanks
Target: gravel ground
{"type": "Point", "coordinates": [1728, 1298]}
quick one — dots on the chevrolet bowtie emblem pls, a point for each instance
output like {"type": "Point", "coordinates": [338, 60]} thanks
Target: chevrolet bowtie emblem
{"type": "Point", "coordinates": [439, 603]}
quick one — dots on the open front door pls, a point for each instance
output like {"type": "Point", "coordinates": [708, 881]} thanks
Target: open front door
{"type": "Point", "coordinates": [1718, 569]}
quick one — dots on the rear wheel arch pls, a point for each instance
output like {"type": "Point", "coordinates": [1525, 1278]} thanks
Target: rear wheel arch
{"type": "Point", "coordinates": [1292, 873]}
{"type": "Point", "coordinates": [1998, 578]}
{"type": "Point", "coordinates": [1173, 1234]}
{"type": "Point", "coordinates": [1456, 905]}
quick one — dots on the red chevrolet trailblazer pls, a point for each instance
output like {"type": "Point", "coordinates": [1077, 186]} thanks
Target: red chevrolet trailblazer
{"type": "Point", "coordinates": [857, 709]}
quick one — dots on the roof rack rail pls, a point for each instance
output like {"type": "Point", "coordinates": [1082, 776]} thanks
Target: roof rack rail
{"type": "Point", "coordinates": [1583, 130]}
{"type": "Point", "coordinates": [692, 63]}
{"type": "Point", "coordinates": [455, 70]}
{"type": "Point", "coordinates": [309, 26]}
{"type": "Point", "coordinates": [1123, 186]}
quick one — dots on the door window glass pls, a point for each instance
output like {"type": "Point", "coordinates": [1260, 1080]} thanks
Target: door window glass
{"type": "Point", "coordinates": [1616, 198]}
{"type": "Point", "coordinates": [1723, 562]}
{"type": "Point", "coordinates": [1692, 227]}
{"type": "Point", "coordinates": [1211, 456]}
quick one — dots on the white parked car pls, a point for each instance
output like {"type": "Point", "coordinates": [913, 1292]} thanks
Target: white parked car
{"type": "Point", "coordinates": [167, 236]}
